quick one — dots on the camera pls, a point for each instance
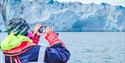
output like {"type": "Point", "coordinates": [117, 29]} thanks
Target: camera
{"type": "Point", "coordinates": [42, 29]}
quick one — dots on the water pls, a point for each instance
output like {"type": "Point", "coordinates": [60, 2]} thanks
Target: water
{"type": "Point", "coordinates": [90, 47]}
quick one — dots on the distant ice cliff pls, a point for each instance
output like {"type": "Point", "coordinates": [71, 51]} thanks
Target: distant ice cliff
{"type": "Point", "coordinates": [72, 16]}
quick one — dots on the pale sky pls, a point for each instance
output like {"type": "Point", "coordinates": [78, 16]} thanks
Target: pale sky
{"type": "Point", "coordinates": [112, 2]}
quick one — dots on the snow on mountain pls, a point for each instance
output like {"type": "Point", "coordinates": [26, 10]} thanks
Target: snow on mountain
{"type": "Point", "coordinates": [72, 16]}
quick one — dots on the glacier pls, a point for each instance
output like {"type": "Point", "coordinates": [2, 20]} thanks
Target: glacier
{"type": "Point", "coordinates": [65, 17]}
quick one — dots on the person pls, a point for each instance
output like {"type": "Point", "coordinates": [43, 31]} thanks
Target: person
{"type": "Point", "coordinates": [21, 45]}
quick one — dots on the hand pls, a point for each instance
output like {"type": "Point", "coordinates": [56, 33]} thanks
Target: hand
{"type": "Point", "coordinates": [49, 29]}
{"type": "Point", "coordinates": [37, 27]}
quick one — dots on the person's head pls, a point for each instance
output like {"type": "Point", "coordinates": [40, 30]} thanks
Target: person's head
{"type": "Point", "coordinates": [18, 26]}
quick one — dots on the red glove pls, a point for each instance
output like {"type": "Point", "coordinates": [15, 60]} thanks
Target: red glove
{"type": "Point", "coordinates": [53, 39]}
{"type": "Point", "coordinates": [34, 38]}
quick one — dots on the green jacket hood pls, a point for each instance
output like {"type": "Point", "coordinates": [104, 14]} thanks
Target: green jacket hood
{"type": "Point", "coordinates": [13, 41]}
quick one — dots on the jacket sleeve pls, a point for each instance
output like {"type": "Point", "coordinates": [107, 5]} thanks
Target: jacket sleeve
{"type": "Point", "coordinates": [53, 39]}
{"type": "Point", "coordinates": [34, 38]}
{"type": "Point", "coordinates": [56, 54]}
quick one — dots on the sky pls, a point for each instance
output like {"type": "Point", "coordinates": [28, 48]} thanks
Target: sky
{"type": "Point", "coordinates": [112, 2]}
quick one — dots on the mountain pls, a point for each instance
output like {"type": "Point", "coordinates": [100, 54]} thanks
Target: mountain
{"type": "Point", "coordinates": [72, 16]}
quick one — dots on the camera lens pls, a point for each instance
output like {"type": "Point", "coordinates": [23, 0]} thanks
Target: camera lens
{"type": "Point", "coordinates": [41, 29]}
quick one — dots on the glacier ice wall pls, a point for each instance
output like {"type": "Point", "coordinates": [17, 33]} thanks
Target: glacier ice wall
{"type": "Point", "coordinates": [72, 16]}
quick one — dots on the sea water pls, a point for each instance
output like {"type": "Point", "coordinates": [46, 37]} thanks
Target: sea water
{"type": "Point", "coordinates": [88, 47]}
